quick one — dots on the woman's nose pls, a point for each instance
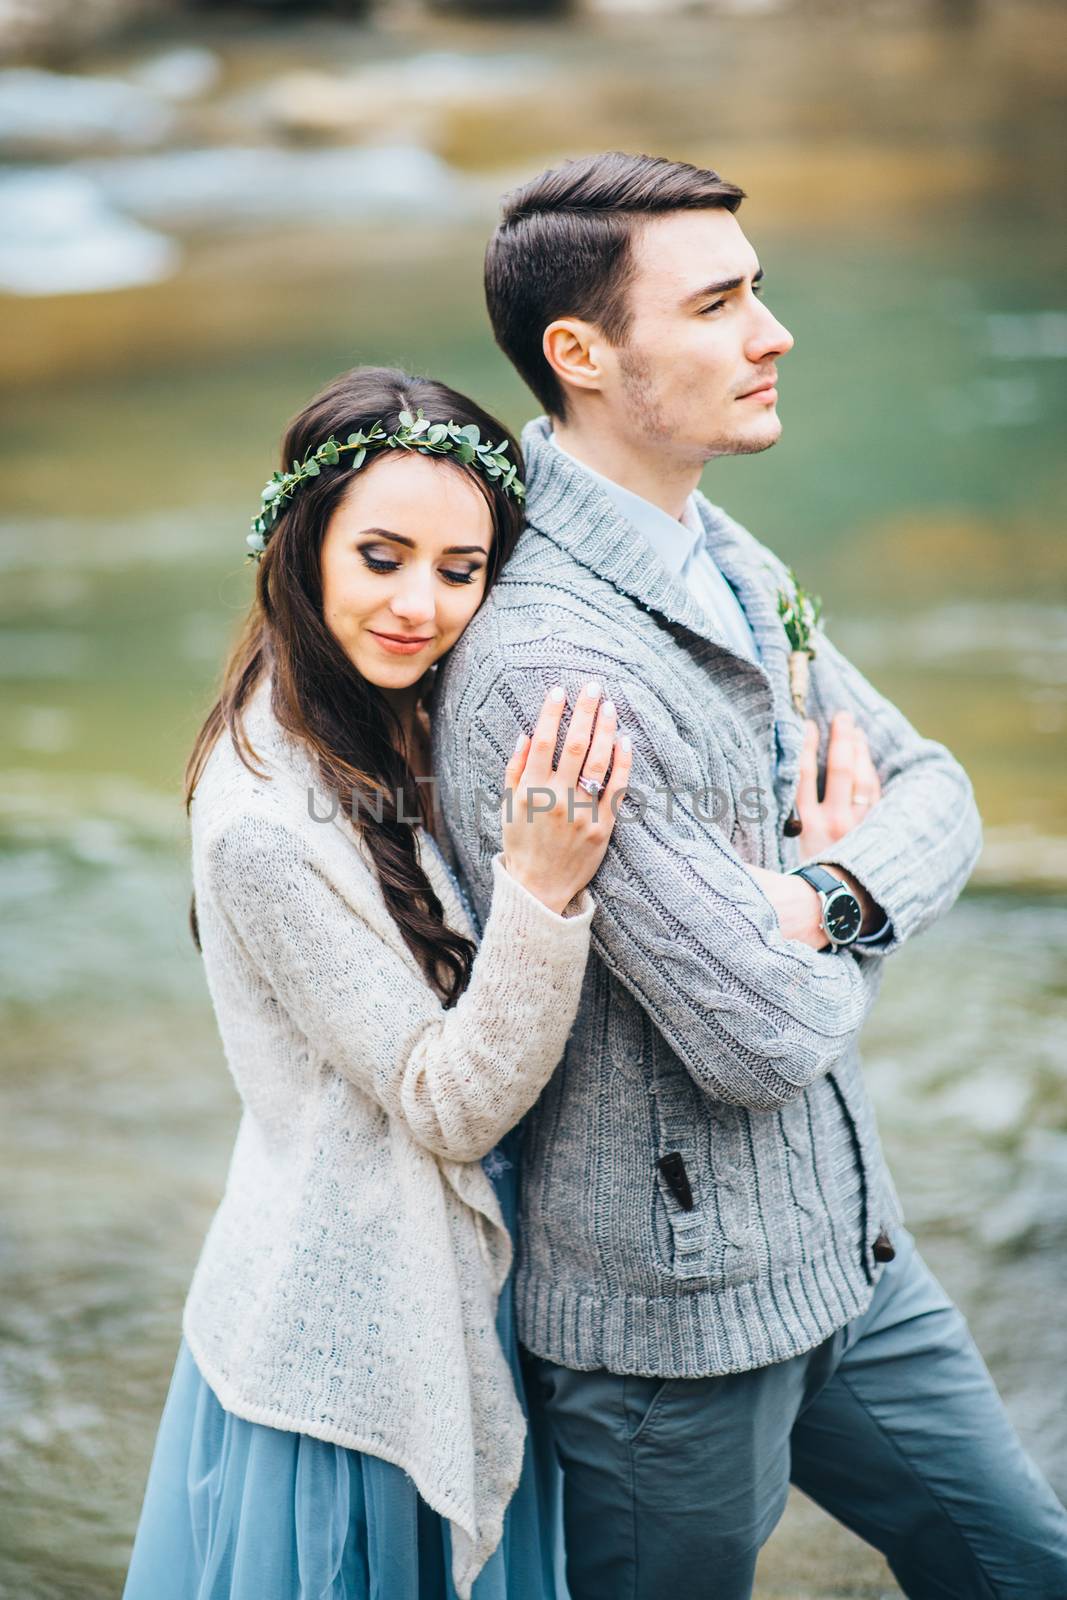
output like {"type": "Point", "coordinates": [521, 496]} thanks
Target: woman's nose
{"type": "Point", "coordinates": [413, 599]}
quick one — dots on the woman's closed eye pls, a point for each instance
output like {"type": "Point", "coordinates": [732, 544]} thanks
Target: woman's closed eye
{"type": "Point", "coordinates": [450, 575]}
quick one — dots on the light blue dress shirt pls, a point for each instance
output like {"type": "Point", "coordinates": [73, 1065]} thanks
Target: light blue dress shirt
{"type": "Point", "coordinates": [682, 548]}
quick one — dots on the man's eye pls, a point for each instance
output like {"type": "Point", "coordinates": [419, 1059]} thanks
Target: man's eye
{"type": "Point", "coordinates": [715, 307]}
{"type": "Point", "coordinates": [376, 564]}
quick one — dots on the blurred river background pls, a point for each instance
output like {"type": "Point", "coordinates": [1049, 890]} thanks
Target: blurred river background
{"type": "Point", "coordinates": [206, 214]}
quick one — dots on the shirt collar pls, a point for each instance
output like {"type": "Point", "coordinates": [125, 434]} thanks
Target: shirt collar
{"type": "Point", "coordinates": [674, 542]}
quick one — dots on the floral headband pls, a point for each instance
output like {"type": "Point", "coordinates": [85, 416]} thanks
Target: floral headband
{"type": "Point", "coordinates": [414, 433]}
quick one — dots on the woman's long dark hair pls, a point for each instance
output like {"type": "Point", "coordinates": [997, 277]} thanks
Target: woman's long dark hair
{"type": "Point", "coordinates": [317, 693]}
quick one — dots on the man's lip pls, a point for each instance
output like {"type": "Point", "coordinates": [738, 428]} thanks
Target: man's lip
{"type": "Point", "coordinates": [771, 383]}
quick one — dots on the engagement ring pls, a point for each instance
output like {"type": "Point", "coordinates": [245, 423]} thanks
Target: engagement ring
{"type": "Point", "coordinates": [860, 800]}
{"type": "Point", "coordinates": [590, 786]}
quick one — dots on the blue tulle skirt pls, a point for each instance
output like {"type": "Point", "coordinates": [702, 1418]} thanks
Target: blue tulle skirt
{"type": "Point", "coordinates": [234, 1510]}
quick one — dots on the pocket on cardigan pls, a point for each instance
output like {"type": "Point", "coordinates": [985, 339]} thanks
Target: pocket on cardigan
{"type": "Point", "coordinates": [684, 1244]}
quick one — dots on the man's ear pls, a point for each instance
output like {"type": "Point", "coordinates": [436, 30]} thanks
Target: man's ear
{"type": "Point", "coordinates": [574, 350]}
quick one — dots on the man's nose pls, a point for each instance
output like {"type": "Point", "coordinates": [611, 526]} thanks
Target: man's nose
{"type": "Point", "coordinates": [769, 337]}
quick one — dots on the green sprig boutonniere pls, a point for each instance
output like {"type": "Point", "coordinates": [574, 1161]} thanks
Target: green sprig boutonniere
{"type": "Point", "coordinates": [801, 614]}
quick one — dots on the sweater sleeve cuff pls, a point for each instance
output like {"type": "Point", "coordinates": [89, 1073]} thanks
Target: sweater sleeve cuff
{"type": "Point", "coordinates": [573, 922]}
{"type": "Point", "coordinates": [884, 940]}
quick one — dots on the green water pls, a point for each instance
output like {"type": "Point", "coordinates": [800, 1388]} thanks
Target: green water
{"type": "Point", "coordinates": [902, 205]}
{"type": "Point", "coordinates": [931, 529]}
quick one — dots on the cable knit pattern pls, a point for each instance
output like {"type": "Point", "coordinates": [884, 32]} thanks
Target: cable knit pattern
{"type": "Point", "coordinates": [347, 1287]}
{"type": "Point", "coordinates": [701, 1030]}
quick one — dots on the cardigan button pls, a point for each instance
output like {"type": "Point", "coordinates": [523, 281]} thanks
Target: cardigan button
{"type": "Point", "coordinates": [882, 1249]}
{"type": "Point", "coordinates": [793, 824]}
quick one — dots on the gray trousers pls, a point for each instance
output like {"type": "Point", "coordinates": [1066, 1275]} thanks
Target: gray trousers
{"type": "Point", "coordinates": [893, 1425]}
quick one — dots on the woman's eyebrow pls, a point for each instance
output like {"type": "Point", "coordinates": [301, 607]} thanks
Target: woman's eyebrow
{"type": "Point", "coordinates": [402, 538]}
{"type": "Point", "coordinates": [710, 289]}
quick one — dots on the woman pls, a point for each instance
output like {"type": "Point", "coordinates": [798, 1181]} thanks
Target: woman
{"type": "Point", "coordinates": [343, 1419]}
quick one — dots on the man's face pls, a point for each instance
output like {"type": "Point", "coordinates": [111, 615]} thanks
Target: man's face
{"type": "Point", "coordinates": [700, 341]}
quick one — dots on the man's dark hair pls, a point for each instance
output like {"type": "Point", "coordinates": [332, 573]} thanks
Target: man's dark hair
{"type": "Point", "coordinates": [562, 248]}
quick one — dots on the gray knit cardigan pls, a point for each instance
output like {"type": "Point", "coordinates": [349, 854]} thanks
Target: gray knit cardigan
{"type": "Point", "coordinates": [701, 1030]}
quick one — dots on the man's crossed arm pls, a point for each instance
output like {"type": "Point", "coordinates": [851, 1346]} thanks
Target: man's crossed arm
{"type": "Point", "coordinates": [681, 920]}
{"type": "Point", "coordinates": [913, 852]}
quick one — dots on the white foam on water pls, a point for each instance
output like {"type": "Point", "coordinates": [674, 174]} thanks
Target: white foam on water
{"type": "Point", "coordinates": [105, 223]}
{"type": "Point", "coordinates": [66, 110]}
{"type": "Point", "coordinates": [61, 236]}
{"type": "Point", "coordinates": [230, 187]}
{"type": "Point", "coordinates": [179, 75]}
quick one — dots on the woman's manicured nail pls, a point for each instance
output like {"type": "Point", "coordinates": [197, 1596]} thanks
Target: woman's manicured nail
{"type": "Point", "coordinates": [592, 689]}
{"type": "Point", "coordinates": [624, 743]}
{"type": "Point", "coordinates": [558, 694]}
{"type": "Point", "coordinates": [519, 744]}
{"type": "Point", "coordinates": [608, 708]}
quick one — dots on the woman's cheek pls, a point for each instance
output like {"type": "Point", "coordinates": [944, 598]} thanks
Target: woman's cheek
{"type": "Point", "coordinates": [468, 599]}
{"type": "Point", "coordinates": [454, 617]}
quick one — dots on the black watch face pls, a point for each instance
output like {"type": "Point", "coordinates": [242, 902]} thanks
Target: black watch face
{"type": "Point", "coordinates": [843, 917]}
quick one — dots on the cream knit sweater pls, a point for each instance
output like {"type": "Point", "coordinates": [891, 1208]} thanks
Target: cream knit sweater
{"type": "Point", "coordinates": [347, 1287]}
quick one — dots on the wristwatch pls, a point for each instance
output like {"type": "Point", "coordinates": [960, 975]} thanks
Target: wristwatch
{"type": "Point", "coordinates": [842, 914]}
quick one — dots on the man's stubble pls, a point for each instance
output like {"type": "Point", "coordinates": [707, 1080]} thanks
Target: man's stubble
{"type": "Point", "coordinates": [648, 417]}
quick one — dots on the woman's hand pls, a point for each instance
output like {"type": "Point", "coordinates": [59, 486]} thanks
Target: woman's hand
{"type": "Point", "coordinates": [850, 779]}
{"type": "Point", "coordinates": [555, 833]}
{"type": "Point", "coordinates": [850, 776]}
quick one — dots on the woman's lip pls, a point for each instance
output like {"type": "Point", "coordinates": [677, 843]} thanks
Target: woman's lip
{"type": "Point", "coordinates": [400, 644]}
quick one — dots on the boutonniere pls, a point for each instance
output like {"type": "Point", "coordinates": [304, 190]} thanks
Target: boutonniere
{"type": "Point", "coordinates": [801, 613]}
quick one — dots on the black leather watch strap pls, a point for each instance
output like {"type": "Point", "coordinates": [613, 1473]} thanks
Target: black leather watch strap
{"type": "Point", "coordinates": [820, 879]}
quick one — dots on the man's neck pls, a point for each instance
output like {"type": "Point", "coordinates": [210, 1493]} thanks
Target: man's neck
{"type": "Point", "coordinates": [649, 475]}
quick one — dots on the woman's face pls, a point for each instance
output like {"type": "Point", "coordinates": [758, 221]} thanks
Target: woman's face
{"type": "Point", "coordinates": [404, 564]}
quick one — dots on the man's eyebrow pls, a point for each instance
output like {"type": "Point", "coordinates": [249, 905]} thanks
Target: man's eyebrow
{"type": "Point", "coordinates": [710, 289]}
{"type": "Point", "coordinates": [402, 538]}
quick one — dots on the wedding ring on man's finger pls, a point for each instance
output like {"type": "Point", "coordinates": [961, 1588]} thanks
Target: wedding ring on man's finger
{"type": "Point", "coordinates": [590, 786]}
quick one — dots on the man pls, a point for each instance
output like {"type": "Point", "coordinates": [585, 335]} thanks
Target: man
{"type": "Point", "coordinates": [715, 1286]}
